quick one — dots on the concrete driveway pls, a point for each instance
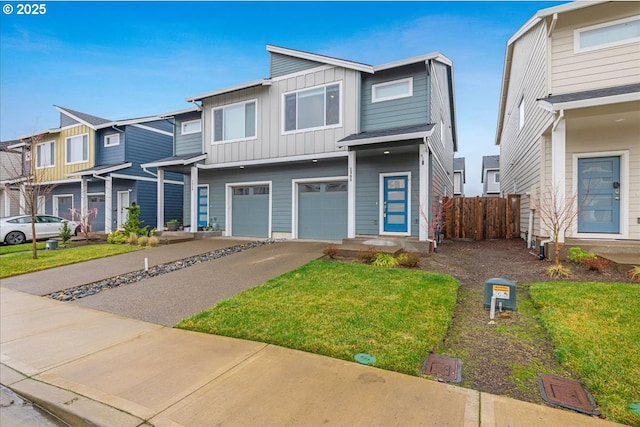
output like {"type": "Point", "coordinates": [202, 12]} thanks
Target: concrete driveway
{"type": "Point", "coordinates": [168, 298]}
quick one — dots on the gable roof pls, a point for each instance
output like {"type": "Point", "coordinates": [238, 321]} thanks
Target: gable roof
{"type": "Point", "coordinates": [87, 119]}
{"type": "Point", "coordinates": [536, 19]}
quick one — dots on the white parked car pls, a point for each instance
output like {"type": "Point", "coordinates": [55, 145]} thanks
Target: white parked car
{"type": "Point", "coordinates": [15, 230]}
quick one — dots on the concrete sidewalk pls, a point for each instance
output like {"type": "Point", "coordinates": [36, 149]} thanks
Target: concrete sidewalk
{"type": "Point", "coordinates": [113, 371]}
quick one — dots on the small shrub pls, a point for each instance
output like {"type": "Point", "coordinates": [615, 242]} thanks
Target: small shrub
{"type": "Point", "coordinates": [132, 239]}
{"type": "Point", "coordinates": [117, 238]}
{"type": "Point", "coordinates": [331, 251]}
{"type": "Point", "coordinates": [385, 260]}
{"type": "Point", "coordinates": [408, 259]}
{"type": "Point", "coordinates": [154, 241]}
{"type": "Point", "coordinates": [65, 233]}
{"type": "Point", "coordinates": [577, 255]}
{"type": "Point", "coordinates": [143, 240]}
{"type": "Point", "coordinates": [634, 274]}
{"type": "Point", "coordinates": [558, 271]}
{"type": "Point", "coordinates": [368, 255]}
{"type": "Point", "coordinates": [595, 264]}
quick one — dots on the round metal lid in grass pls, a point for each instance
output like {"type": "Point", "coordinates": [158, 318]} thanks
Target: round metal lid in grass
{"type": "Point", "coordinates": [364, 358]}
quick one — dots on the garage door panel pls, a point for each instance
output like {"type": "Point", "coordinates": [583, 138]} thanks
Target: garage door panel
{"type": "Point", "coordinates": [250, 211]}
{"type": "Point", "coordinates": [322, 210]}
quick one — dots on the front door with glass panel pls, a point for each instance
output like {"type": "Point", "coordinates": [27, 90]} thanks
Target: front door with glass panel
{"type": "Point", "coordinates": [599, 195]}
{"type": "Point", "coordinates": [395, 204]}
{"type": "Point", "coordinates": [203, 205]}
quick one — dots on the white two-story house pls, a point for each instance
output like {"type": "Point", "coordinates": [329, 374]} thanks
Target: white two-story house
{"type": "Point", "coordinates": [324, 148]}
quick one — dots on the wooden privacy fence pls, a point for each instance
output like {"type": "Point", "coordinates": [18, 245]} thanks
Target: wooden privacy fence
{"type": "Point", "coordinates": [481, 218]}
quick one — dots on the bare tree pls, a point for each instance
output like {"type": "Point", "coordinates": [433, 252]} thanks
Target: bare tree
{"type": "Point", "coordinates": [30, 182]}
{"type": "Point", "coordinates": [558, 213]}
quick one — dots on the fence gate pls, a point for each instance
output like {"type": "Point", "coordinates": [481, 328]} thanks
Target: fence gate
{"type": "Point", "coordinates": [480, 218]}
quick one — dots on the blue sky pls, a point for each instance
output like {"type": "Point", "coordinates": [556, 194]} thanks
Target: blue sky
{"type": "Point", "coordinates": [121, 60]}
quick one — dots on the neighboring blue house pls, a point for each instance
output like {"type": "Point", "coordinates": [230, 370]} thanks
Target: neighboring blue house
{"type": "Point", "coordinates": [94, 164]}
{"type": "Point", "coordinates": [324, 148]}
{"type": "Point", "coordinates": [490, 176]}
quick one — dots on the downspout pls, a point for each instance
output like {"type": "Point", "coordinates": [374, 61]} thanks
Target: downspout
{"type": "Point", "coordinates": [557, 121]}
{"type": "Point", "coordinates": [150, 173]}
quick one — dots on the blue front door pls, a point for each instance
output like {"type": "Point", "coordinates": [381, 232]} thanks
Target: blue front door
{"type": "Point", "coordinates": [395, 211]}
{"type": "Point", "coordinates": [203, 205]}
{"type": "Point", "coordinates": [599, 195]}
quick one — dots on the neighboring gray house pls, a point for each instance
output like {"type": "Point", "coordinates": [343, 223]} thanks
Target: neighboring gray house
{"type": "Point", "coordinates": [324, 148]}
{"type": "Point", "coordinates": [490, 176]}
{"type": "Point", "coordinates": [459, 176]}
{"type": "Point", "coordinates": [11, 172]}
{"type": "Point", "coordinates": [569, 117]}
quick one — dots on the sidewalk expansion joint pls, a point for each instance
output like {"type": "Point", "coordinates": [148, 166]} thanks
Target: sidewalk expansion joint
{"type": "Point", "coordinates": [77, 292]}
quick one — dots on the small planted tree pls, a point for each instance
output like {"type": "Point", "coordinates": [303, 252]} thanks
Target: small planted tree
{"type": "Point", "coordinates": [85, 219]}
{"type": "Point", "coordinates": [134, 223]}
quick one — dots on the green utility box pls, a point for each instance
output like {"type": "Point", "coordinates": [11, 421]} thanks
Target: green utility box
{"type": "Point", "coordinates": [504, 291]}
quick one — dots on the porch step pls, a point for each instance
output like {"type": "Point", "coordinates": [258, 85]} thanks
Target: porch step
{"type": "Point", "coordinates": [624, 254]}
{"type": "Point", "coordinates": [168, 237]}
{"type": "Point", "coordinates": [387, 245]}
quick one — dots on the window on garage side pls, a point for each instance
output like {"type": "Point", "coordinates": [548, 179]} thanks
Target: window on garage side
{"type": "Point", "coordinates": [261, 189]}
{"type": "Point", "coordinates": [336, 186]}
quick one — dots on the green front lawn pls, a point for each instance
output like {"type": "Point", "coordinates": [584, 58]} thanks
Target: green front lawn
{"type": "Point", "coordinates": [339, 310]}
{"type": "Point", "coordinates": [595, 328]}
{"type": "Point", "coordinates": [25, 247]}
{"type": "Point", "coordinates": [14, 262]}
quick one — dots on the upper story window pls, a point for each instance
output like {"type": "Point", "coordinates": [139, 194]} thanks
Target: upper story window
{"type": "Point", "coordinates": [521, 114]}
{"type": "Point", "coordinates": [235, 122]}
{"type": "Point", "coordinates": [392, 90]}
{"type": "Point", "coordinates": [111, 140]}
{"type": "Point", "coordinates": [45, 155]}
{"type": "Point", "coordinates": [312, 108]}
{"type": "Point", "coordinates": [77, 148]}
{"type": "Point", "coordinates": [609, 34]}
{"type": "Point", "coordinates": [496, 178]}
{"type": "Point", "coordinates": [192, 126]}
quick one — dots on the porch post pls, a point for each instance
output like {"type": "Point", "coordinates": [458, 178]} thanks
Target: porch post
{"type": "Point", "coordinates": [160, 200]}
{"type": "Point", "coordinates": [351, 195]}
{"type": "Point", "coordinates": [423, 208]}
{"type": "Point", "coordinates": [108, 204]}
{"type": "Point", "coordinates": [23, 200]}
{"type": "Point", "coordinates": [83, 198]}
{"type": "Point", "coordinates": [7, 201]}
{"type": "Point", "coordinates": [558, 162]}
{"type": "Point", "coordinates": [194, 198]}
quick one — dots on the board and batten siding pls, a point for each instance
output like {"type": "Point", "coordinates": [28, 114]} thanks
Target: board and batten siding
{"type": "Point", "coordinates": [368, 172]}
{"type": "Point", "coordinates": [394, 113]}
{"type": "Point", "coordinates": [189, 143]}
{"type": "Point", "coordinates": [60, 171]}
{"type": "Point", "coordinates": [600, 68]}
{"type": "Point", "coordinates": [282, 65]}
{"type": "Point", "coordinates": [270, 143]}
{"type": "Point", "coordinates": [280, 177]}
{"type": "Point", "coordinates": [521, 149]}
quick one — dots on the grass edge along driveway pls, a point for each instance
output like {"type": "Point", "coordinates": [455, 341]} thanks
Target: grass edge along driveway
{"type": "Point", "coordinates": [15, 263]}
{"type": "Point", "coordinates": [595, 328]}
{"type": "Point", "coordinates": [338, 310]}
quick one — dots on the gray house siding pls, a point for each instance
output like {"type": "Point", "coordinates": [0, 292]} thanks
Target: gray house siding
{"type": "Point", "coordinates": [368, 170]}
{"type": "Point", "coordinates": [283, 64]}
{"type": "Point", "coordinates": [67, 121]}
{"type": "Point", "coordinates": [397, 112]}
{"type": "Point", "coordinates": [189, 143]}
{"type": "Point", "coordinates": [280, 177]}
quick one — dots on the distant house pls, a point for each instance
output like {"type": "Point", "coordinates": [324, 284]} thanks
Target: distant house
{"type": "Point", "coordinates": [459, 176]}
{"type": "Point", "coordinates": [324, 148]}
{"type": "Point", "coordinates": [490, 176]}
{"type": "Point", "coordinates": [12, 172]}
{"type": "Point", "coordinates": [569, 116]}
{"type": "Point", "coordinates": [93, 165]}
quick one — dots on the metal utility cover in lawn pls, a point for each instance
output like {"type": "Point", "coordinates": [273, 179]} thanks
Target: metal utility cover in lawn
{"type": "Point", "coordinates": [504, 291]}
{"type": "Point", "coordinates": [444, 368]}
{"type": "Point", "coordinates": [566, 393]}
{"type": "Point", "coordinates": [364, 358]}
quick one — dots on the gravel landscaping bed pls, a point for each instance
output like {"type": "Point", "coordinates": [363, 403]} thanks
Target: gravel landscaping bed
{"type": "Point", "coordinates": [89, 289]}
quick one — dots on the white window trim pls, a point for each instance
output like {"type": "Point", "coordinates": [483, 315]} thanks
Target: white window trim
{"type": "Point", "coordinates": [184, 124]}
{"type": "Point", "coordinates": [375, 98]}
{"type": "Point", "coordinates": [53, 159]}
{"type": "Point", "coordinates": [229, 208]}
{"type": "Point", "coordinates": [579, 31]}
{"type": "Point", "coordinates": [294, 197]}
{"type": "Point", "coordinates": [66, 147]}
{"type": "Point", "coordinates": [113, 144]}
{"type": "Point", "coordinates": [624, 194]}
{"type": "Point", "coordinates": [55, 203]}
{"type": "Point", "coordinates": [282, 107]}
{"type": "Point", "coordinates": [222, 107]}
{"type": "Point", "coordinates": [381, 204]}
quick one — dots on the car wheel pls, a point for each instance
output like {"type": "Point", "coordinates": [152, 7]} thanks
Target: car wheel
{"type": "Point", "coordinates": [77, 231]}
{"type": "Point", "coordinates": [14, 238]}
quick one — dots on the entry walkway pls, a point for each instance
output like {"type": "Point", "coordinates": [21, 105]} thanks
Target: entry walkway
{"type": "Point", "coordinates": [111, 370]}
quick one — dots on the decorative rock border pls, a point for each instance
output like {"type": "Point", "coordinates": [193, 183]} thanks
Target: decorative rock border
{"type": "Point", "coordinates": [93, 288]}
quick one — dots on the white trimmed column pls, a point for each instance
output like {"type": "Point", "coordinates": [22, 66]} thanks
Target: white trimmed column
{"type": "Point", "coordinates": [84, 205]}
{"type": "Point", "coordinates": [194, 198]}
{"type": "Point", "coordinates": [108, 204]}
{"type": "Point", "coordinates": [351, 195]}
{"type": "Point", "coordinates": [558, 163]}
{"type": "Point", "coordinates": [423, 207]}
{"type": "Point", "coordinates": [160, 200]}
